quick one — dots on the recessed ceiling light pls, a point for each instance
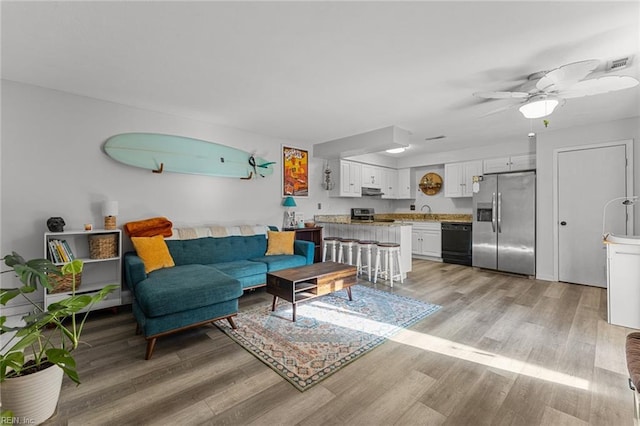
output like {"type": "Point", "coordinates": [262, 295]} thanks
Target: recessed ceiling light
{"type": "Point", "coordinates": [396, 150]}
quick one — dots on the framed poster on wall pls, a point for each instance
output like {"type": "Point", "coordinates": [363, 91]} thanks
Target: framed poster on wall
{"type": "Point", "coordinates": [295, 172]}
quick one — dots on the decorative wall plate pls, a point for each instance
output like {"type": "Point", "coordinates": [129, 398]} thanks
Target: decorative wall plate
{"type": "Point", "coordinates": [431, 183]}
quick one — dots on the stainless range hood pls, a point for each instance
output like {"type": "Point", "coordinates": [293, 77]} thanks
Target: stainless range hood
{"type": "Point", "coordinates": [371, 192]}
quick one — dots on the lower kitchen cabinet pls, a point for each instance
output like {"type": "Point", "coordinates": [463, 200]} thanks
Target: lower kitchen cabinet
{"type": "Point", "coordinates": [426, 239]}
{"type": "Point", "coordinates": [623, 285]}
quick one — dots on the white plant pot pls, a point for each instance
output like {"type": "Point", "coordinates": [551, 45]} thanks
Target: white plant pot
{"type": "Point", "coordinates": [33, 398]}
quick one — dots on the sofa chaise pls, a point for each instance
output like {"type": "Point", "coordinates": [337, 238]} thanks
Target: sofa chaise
{"type": "Point", "coordinates": [209, 275]}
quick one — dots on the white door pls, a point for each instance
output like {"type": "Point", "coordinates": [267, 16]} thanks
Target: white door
{"type": "Point", "coordinates": [587, 179]}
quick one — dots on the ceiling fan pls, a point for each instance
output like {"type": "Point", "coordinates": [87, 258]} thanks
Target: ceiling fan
{"type": "Point", "coordinates": [545, 90]}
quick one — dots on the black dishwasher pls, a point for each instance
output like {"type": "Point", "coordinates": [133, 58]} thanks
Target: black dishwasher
{"type": "Point", "coordinates": [456, 243]}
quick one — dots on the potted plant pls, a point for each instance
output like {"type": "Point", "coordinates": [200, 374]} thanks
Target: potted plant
{"type": "Point", "coordinates": [41, 346]}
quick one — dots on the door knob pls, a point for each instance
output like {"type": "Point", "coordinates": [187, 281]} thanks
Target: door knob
{"type": "Point", "coordinates": [563, 223]}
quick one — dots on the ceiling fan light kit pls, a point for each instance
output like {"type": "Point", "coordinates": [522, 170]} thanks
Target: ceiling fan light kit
{"type": "Point", "coordinates": [539, 107]}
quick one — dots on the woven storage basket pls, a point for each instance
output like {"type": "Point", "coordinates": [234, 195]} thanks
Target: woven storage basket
{"type": "Point", "coordinates": [103, 246]}
{"type": "Point", "coordinates": [61, 283]}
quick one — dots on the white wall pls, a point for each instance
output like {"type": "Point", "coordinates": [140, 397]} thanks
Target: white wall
{"type": "Point", "coordinates": [546, 144]}
{"type": "Point", "coordinates": [52, 164]}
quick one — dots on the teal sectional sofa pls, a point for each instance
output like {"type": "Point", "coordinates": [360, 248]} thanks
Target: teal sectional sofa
{"type": "Point", "coordinates": [209, 276]}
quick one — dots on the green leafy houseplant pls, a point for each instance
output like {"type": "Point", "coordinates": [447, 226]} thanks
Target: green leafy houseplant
{"type": "Point", "coordinates": [48, 334]}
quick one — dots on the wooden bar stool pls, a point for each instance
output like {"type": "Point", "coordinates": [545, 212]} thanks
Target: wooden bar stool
{"type": "Point", "coordinates": [391, 253]}
{"type": "Point", "coordinates": [330, 243]}
{"type": "Point", "coordinates": [346, 244]}
{"type": "Point", "coordinates": [367, 247]}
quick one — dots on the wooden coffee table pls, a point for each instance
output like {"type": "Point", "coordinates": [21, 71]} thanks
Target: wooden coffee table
{"type": "Point", "coordinates": [306, 282]}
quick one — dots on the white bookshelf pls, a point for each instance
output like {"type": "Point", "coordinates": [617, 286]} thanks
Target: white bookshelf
{"type": "Point", "coordinates": [96, 273]}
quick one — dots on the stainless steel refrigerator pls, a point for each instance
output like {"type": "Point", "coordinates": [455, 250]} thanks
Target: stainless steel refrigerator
{"type": "Point", "coordinates": [504, 223]}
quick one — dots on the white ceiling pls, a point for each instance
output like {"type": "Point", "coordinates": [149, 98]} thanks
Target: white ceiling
{"type": "Point", "coordinates": [317, 71]}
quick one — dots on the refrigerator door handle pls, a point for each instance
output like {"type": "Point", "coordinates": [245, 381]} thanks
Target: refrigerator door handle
{"type": "Point", "coordinates": [499, 212]}
{"type": "Point", "coordinates": [493, 212]}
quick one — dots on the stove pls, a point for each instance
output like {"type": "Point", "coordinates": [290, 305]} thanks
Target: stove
{"type": "Point", "coordinates": [362, 215]}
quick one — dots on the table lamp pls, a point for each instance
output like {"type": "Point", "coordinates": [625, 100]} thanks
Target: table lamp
{"type": "Point", "coordinates": [288, 221]}
{"type": "Point", "coordinates": [110, 211]}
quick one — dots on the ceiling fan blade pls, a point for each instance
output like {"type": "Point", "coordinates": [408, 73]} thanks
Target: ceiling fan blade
{"type": "Point", "coordinates": [598, 86]}
{"type": "Point", "coordinates": [498, 110]}
{"type": "Point", "coordinates": [566, 76]}
{"type": "Point", "coordinates": [501, 95]}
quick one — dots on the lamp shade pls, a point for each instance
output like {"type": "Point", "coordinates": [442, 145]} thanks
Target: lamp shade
{"type": "Point", "coordinates": [110, 208]}
{"type": "Point", "coordinates": [289, 202]}
{"type": "Point", "coordinates": [539, 107]}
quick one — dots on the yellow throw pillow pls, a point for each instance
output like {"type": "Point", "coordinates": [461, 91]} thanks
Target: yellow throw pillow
{"type": "Point", "coordinates": [280, 242]}
{"type": "Point", "coordinates": [154, 252]}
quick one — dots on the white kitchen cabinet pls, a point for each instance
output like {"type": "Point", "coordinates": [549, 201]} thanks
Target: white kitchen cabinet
{"type": "Point", "coordinates": [426, 239]}
{"type": "Point", "coordinates": [458, 178]}
{"type": "Point", "coordinates": [406, 184]}
{"type": "Point", "coordinates": [523, 162]}
{"type": "Point", "coordinates": [509, 164]}
{"type": "Point", "coordinates": [371, 176]}
{"type": "Point", "coordinates": [389, 183]}
{"type": "Point", "coordinates": [348, 179]}
{"type": "Point", "coordinates": [623, 284]}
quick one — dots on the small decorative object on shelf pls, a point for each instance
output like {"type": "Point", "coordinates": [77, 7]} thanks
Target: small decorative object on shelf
{"type": "Point", "coordinates": [110, 211]}
{"type": "Point", "coordinates": [55, 224]}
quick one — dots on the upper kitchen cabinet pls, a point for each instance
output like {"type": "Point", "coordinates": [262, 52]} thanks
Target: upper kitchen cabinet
{"type": "Point", "coordinates": [510, 164]}
{"type": "Point", "coordinates": [348, 179]}
{"type": "Point", "coordinates": [371, 176]}
{"type": "Point", "coordinates": [406, 184]}
{"type": "Point", "coordinates": [389, 183]}
{"type": "Point", "coordinates": [458, 178]}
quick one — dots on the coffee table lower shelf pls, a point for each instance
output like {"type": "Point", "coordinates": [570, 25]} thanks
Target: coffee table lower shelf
{"type": "Point", "coordinates": [307, 282]}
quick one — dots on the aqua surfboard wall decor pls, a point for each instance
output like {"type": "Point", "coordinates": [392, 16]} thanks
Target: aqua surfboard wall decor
{"type": "Point", "coordinates": [166, 153]}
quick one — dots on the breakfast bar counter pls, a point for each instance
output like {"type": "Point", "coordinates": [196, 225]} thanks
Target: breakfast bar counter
{"type": "Point", "coordinates": [393, 232]}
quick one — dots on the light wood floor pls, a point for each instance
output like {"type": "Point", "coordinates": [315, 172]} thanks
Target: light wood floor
{"type": "Point", "coordinates": [503, 350]}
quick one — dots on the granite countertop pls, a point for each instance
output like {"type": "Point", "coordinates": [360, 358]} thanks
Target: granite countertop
{"type": "Point", "coordinates": [400, 218]}
{"type": "Point", "coordinates": [427, 217]}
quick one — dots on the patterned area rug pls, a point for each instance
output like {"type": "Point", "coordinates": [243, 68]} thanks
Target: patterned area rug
{"type": "Point", "coordinates": [329, 333]}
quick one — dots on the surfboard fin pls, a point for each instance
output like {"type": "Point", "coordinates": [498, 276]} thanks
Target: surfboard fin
{"type": "Point", "coordinates": [159, 169]}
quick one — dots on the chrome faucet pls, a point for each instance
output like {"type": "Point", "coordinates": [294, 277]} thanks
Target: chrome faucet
{"type": "Point", "coordinates": [425, 205]}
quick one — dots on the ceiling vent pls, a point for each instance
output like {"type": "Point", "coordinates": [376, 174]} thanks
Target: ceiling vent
{"type": "Point", "coordinates": [618, 64]}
